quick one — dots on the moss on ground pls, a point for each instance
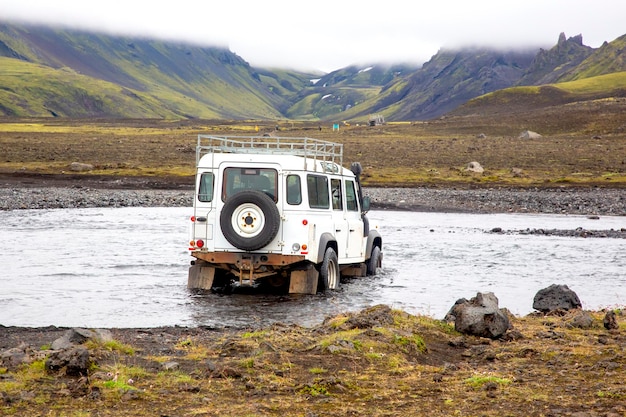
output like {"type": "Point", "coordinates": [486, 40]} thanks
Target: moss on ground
{"type": "Point", "coordinates": [585, 147]}
{"type": "Point", "coordinates": [377, 362]}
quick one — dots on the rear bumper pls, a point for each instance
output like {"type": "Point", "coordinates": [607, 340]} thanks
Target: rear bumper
{"type": "Point", "coordinates": [244, 261]}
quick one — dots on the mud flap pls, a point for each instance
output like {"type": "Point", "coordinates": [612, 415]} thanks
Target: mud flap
{"type": "Point", "coordinates": [303, 281]}
{"type": "Point", "coordinates": [359, 270]}
{"type": "Point", "coordinates": [200, 277]}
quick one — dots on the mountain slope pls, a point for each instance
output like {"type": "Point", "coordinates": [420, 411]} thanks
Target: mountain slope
{"type": "Point", "coordinates": [452, 78]}
{"type": "Point", "coordinates": [338, 91]}
{"type": "Point", "coordinates": [36, 90]}
{"type": "Point", "coordinates": [190, 81]}
{"type": "Point", "coordinates": [445, 82]}
{"type": "Point", "coordinates": [572, 95]}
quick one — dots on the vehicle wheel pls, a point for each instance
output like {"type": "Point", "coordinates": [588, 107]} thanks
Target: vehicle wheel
{"type": "Point", "coordinates": [250, 220]}
{"type": "Point", "coordinates": [375, 261]}
{"type": "Point", "coordinates": [222, 279]}
{"type": "Point", "coordinates": [329, 271]}
{"type": "Point", "coordinates": [277, 281]}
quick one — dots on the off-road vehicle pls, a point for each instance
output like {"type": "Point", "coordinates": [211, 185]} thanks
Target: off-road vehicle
{"type": "Point", "coordinates": [279, 211]}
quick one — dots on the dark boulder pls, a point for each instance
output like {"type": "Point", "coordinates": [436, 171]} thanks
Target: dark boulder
{"type": "Point", "coordinates": [376, 316]}
{"type": "Point", "coordinates": [78, 336]}
{"type": "Point", "coordinates": [12, 358]}
{"type": "Point", "coordinates": [610, 320]}
{"type": "Point", "coordinates": [72, 362]}
{"type": "Point", "coordinates": [480, 316]}
{"type": "Point", "coordinates": [451, 315]}
{"type": "Point", "coordinates": [556, 297]}
{"type": "Point", "coordinates": [581, 320]}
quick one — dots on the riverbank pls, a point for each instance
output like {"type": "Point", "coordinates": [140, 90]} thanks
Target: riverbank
{"type": "Point", "coordinates": [45, 192]}
{"type": "Point", "coordinates": [376, 362]}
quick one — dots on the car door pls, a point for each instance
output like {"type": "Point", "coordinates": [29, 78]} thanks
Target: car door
{"type": "Point", "coordinates": [355, 239]}
{"type": "Point", "coordinates": [339, 218]}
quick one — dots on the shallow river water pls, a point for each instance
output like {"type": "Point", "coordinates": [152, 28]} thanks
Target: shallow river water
{"type": "Point", "coordinates": [127, 267]}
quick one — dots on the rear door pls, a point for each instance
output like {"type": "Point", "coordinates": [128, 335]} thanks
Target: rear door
{"type": "Point", "coordinates": [240, 177]}
{"type": "Point", "coordinates": [204, 207]}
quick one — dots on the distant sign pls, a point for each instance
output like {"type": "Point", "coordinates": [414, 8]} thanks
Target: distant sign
{"type": "Point", "coordinates": [335, 126]}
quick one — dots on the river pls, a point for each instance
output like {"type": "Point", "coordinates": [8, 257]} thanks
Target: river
{"type": "Point", "coordinates": [127, 267]}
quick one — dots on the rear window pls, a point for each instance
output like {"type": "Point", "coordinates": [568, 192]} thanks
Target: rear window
{"type": "Point", "coordinates": [242, 179]}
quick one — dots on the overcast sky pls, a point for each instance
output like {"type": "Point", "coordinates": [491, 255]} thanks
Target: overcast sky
{"type": "Point", "coordinates": [330, 34]}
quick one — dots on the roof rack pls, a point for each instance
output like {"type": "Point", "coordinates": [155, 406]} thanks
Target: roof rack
{"type": "Point", "coordinates": [306, 147]}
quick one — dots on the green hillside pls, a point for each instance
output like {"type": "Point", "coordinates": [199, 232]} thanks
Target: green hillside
{"type": "Point", "coordinates": [187, 80]}
{"type": "Point", "coordinates": [332, 103]}
{"type": "Point", "coordinates": [551, 95]}
{"type": "Point", "coordinates": [32, 90]}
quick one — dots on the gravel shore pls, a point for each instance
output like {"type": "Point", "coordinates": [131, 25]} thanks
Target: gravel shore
{"type": "Point", "coordinates": [594, 201]}
{"type": "Point", "coordinates": [590, 202]}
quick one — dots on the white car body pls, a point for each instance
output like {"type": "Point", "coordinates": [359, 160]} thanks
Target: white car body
{"type": "Point", "coordinates": [268, 209]}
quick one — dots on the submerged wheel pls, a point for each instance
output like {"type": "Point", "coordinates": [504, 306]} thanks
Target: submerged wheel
{"type": "Point", "coordinates": [250, 220]}
{"type": "Point", "coordinates": [277, 281]}
{"type": "Point", "coordinates": [329, 271]}
{"type": "Point", "coordinates": [374, 263]}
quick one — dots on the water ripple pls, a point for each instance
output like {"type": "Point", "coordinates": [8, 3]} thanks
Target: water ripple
{"type": "Point", "coordinates": [127, 267]}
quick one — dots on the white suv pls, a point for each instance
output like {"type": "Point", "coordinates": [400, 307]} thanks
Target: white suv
{"type": "Point", "coordinates": [280, 211]}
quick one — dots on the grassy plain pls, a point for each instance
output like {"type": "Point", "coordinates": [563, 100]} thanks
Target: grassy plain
{"type": "Point", "coordinates": [581, 144]}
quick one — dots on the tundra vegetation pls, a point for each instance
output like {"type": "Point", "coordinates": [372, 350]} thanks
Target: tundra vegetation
{"type": "Point", "coordinates": [377, 362]}
{"type": "Point", "coordinates": [581, 144]}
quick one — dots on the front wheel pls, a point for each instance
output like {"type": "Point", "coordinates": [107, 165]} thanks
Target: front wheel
{"type": "Point", "coordinates": [329, 271]}
{"type": "Point", "coordinates": [374, 263]}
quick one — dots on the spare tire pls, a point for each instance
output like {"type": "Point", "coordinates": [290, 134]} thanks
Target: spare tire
{"type": "Point", "coordinates": [249, 220]}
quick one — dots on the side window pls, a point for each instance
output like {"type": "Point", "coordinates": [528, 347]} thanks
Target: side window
{"type": "Point", "coordinates": [351, 203]}
{"type": "Point", "coordinates": [205, 191]}
{"type": "Point", "coordinates": [317, 188]}
{"type": "Point", "coordinates": [294, 190]}
{"type": "Point", "coordinates": [335, 189]}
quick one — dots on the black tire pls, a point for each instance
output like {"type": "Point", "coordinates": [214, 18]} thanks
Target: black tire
{"type": "Point", "coordinates": [329, 271]}
{"type": "Point", "coordinates": [250, 220]}
{"type": "Point", "coordinates": [375, 261]}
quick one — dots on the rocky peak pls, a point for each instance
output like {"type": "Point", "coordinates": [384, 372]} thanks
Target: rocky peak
{"type": "Point", "coordinates": [577, 40]}
{"type": "Point", "coordinates": [549, 65]}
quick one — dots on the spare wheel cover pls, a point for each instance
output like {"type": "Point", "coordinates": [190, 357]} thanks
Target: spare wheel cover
{"type": "Point", "coordinates": [250, 220]}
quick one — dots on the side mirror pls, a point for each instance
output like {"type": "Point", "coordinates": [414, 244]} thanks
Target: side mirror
{"type": "Point", "coordinates": [366, 204]}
